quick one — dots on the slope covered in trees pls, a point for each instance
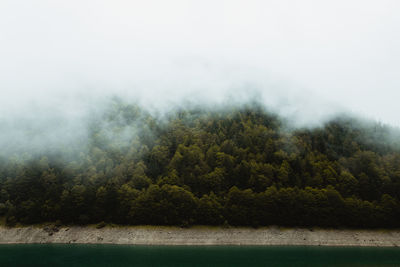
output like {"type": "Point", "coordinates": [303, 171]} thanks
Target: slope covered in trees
{"type": "Point", "coordinates": [237, 166]}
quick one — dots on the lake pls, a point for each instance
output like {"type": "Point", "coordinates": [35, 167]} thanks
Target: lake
{"type": "Point", "coordinates": [126, 255]}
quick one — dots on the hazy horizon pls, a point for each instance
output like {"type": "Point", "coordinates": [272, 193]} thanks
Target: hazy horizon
{"type": "Point", "coordinates": [307, 61]}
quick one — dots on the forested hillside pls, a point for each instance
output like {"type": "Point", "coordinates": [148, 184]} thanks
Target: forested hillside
{"type": "Point", "coordinates": [230, 166]}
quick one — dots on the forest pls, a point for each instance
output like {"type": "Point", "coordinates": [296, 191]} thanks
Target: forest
{"type": "Point", "coordinates": [230, 166]}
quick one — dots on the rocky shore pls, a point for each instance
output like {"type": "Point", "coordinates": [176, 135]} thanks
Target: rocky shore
{"type": "Point", "coordinates": [148, 235]}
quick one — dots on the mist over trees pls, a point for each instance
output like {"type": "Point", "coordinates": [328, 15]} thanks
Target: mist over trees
{"type": "Point", "coordinates": [239, 165]}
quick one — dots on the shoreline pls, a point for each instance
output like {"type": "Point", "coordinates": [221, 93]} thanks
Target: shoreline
{"type": "Point", "coordinates": [197, 235]}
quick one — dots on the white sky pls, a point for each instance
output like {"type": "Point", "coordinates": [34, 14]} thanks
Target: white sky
{"type": "Point", "coordinates": [306, 58]}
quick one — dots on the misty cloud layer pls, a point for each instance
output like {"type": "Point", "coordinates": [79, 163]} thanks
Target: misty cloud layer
{"type": "Point", "coordinates": [307, 60]}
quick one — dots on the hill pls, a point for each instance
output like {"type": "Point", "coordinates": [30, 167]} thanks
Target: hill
{"type": "Point", "coordinates": [241, 166]}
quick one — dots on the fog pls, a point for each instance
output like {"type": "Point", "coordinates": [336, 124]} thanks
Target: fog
{"type": "Point", "coordinates": [306, 60]}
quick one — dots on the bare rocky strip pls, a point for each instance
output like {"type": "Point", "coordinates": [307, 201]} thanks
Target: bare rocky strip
{"type": "Point", "coordinates": [198, 236]}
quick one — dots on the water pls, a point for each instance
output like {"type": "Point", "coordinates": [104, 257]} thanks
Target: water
{"type": "Point", "coordinates": [121, 255]}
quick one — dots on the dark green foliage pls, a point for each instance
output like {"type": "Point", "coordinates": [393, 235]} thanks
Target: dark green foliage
{"type": "Point", "coordinates": [237, 166]}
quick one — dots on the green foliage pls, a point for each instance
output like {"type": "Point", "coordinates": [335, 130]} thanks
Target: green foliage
{"type": "Point", "coordinates": [237, 166]}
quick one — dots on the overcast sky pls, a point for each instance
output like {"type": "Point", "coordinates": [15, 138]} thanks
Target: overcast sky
{"type": "Point", "coordinates": [305, 58]}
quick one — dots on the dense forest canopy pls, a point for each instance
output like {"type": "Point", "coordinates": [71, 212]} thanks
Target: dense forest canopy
{"type": "Point", "coordinates": [241, 166]}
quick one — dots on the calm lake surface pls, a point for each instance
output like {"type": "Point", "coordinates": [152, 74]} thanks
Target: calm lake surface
{"type": "Point", "coordinates": [121, 255]}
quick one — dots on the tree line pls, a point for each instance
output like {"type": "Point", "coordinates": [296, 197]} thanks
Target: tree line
{"type": "Point", "coordinates": [241, 166]}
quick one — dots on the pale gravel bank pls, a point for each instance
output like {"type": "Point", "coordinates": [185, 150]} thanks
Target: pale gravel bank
{"type": "Point", "coordinates": [198, 236]}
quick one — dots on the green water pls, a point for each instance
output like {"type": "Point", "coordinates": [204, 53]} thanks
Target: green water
{"type": "Point", "coordinates": [115, 255]}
